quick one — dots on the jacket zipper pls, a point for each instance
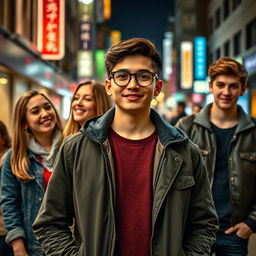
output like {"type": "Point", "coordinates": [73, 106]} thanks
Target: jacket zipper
{"type": "Point", "coordinates": [229, 170]}
{"type": "Point", "coordinates": [214, 158]}
{"type": "Point", "coordinates": [112, 238]}
{"type": "Point", "coordinates": [154, 190]}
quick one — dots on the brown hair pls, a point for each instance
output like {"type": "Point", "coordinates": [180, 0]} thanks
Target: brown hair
{"type": "Point", "coordinates": [7, 141]}
{"type": "Point", "coordinates": [19, 159]}
{"type": "Point", "coordinates": [103, 104]}
{"type": "Point", "coordinates": [134, 46]}
{"type": "Point", "coordinates": [5, 135]}
{"type": "Point", "coordinates": [227, 66]}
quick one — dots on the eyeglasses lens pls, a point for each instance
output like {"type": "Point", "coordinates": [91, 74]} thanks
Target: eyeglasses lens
{"type": "Point", "coordinates": [143, 78]}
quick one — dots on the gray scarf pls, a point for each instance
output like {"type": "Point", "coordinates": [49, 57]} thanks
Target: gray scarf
{"type": "Point", "coordinates": [47, 157]}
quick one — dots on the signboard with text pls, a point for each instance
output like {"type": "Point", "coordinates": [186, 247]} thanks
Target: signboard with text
{"type": "Point", "coordinates": [85, 35]}
{"type": "Point", "coordinates": [86, 40]}
{"type": "Point", "coordinates": [200, 58]}
{"type": "Point", "coordinates": [51, 27]}
{"type": "Point", "coordinates": [186, 65]}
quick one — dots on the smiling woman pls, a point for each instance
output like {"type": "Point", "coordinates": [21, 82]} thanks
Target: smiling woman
{"type": "Point", "coordinates": [37, 134]}
{"type": "Point", "coordinates": [89, 99]}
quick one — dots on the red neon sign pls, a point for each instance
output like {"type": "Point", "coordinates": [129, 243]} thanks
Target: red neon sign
{"type": "Point", "coordinates": [51, 28]}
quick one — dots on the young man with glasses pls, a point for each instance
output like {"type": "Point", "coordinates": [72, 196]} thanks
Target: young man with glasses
{"type": "Point", "coordinates": [134, 184]}
{"type": "Point", "coordinates": [226, 136]}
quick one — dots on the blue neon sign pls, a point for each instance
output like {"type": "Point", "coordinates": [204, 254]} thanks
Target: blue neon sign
{"type": "Point", "coordinates": [200, 58]}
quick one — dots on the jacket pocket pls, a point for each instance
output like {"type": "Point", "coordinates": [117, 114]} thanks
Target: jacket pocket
{"type": "Point", "coordinates": [249, 156]}
{"type": "Point", "coordinates": [184, 182]}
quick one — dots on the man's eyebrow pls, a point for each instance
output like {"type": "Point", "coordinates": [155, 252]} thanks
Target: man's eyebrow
{"type": "Point", "coordinates": [127, 70]}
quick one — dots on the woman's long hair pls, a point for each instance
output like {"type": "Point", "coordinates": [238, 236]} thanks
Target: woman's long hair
{"type": "Point", "coordinates": [5, 135]}
{"type": "Point", "coordinates": [7, 141]}
{"type": "Point", "coordinates": [19, 158]}
{"type": "Point", "coordinates": [103, 104]}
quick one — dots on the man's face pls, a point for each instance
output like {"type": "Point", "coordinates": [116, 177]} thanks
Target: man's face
{"type": "Point", "coordinates": [226, 91]}
{"type": "Point", "coordinates": [132, 97]}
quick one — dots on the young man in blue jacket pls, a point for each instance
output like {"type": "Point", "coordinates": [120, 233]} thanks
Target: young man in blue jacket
{"type": "Point", "coordinates": [134, 184]}
{"type": "Point", "coordinates": [226, 136]}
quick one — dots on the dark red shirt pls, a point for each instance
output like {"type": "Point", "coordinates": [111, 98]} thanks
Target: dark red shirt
{"type": "Point", "coordinates": [47, 174]}
{"type": "Point", "coordinates": [134, 171]}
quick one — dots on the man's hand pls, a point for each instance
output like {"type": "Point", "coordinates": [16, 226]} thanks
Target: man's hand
{"type": "Point", "coordinates": [242, 230]}
{"type": "Point", "coordinates": [18, 247]}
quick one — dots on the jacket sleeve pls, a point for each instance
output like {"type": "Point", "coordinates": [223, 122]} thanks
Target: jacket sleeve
{"type": "Point", "coordinates": [11, 202]}
{"type": "Point", "coordinates": [202, 222]}
{"type": "Point", "coordinates": [52, 224]}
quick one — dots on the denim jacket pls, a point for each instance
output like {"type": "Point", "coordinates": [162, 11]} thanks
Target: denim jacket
{"type": "Point", "coordinates": [20, 201]}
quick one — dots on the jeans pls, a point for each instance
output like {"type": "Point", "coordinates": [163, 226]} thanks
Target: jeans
{"type": "Point", "coordinates": [5, 249]}
{"type": "Point", "coordinates": [229, 245]}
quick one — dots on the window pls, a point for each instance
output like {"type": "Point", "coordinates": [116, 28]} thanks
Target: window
{"type": "Point", "coordinates": [210, 58]}
{"type": "Point", "coordinates": [1, 12]}
{"type": "Point", "coordinates": [211, 25]}
{"type": "Point", "coordinates": [227, 48]}
{"type": "Point", "coordinates": [237, 43]}
{"type": "Point", "coordinates": [26, 22]}
{"type": "Point", "coordinates": [251, 34]}
{"type": "Point", "coordinates": [7, 14]}
{"type": "Point", "coordinates": [225, 9]}
{"type": "Point", "coordinates": [236, 3]}
{"type": "Point", "coordinates": [217, 18]}
{"type": "Point", "coordinates": [19, 17]}
{"type": "Point", "coordinates": [218, 53]}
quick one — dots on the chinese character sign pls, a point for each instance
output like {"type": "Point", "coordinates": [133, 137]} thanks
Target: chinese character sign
{"type": "Point", "coordinates": [51, 28]}
{"type": "Point", "coordinates": [85, 38]}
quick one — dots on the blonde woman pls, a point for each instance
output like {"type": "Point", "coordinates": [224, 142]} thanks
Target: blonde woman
{"type": "Point", "coordinates": [89, 99]}
{"type": "Point", "coordinates": [37, 134]}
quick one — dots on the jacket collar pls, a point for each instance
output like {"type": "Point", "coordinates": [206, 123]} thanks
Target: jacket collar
{"type": "Point", "coordinates": [202, 118]}
{"type": "Point", "coordinates": [245, 121]}
{"type": "Point", "coordinates": [97, 128]}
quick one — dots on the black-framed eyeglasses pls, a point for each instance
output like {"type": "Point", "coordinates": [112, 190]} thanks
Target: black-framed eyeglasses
{"type": "Point", "coordinates": [143, 78]}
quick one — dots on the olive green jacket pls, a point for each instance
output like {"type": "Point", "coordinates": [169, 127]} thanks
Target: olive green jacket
{"type": "Point", "coordinates": [82, 187]}
{"type": "Point", "coordinates": [242, 160]}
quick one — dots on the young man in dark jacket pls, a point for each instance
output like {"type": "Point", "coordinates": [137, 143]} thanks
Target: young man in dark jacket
{"type": "Point", "coordinates": [226, 137]}
{"type": "Point", "coordinates": [134, 184]}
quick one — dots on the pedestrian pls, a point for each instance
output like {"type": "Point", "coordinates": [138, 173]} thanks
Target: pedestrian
{"type": "Point", "coordinates": [134, 184]}
{"type": "Point", "coordinates": [37, 134]}
{"type": "Point", "coordinates": [196, 108]}
{"type": "Point", "coordinates": [5, 144]}
{"type": "Point", "coordinates": [179, 112]}
{"type": "Point", "coordinates": [89, 99]}
{"type": "Point", "coordinates": [226, 136]}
